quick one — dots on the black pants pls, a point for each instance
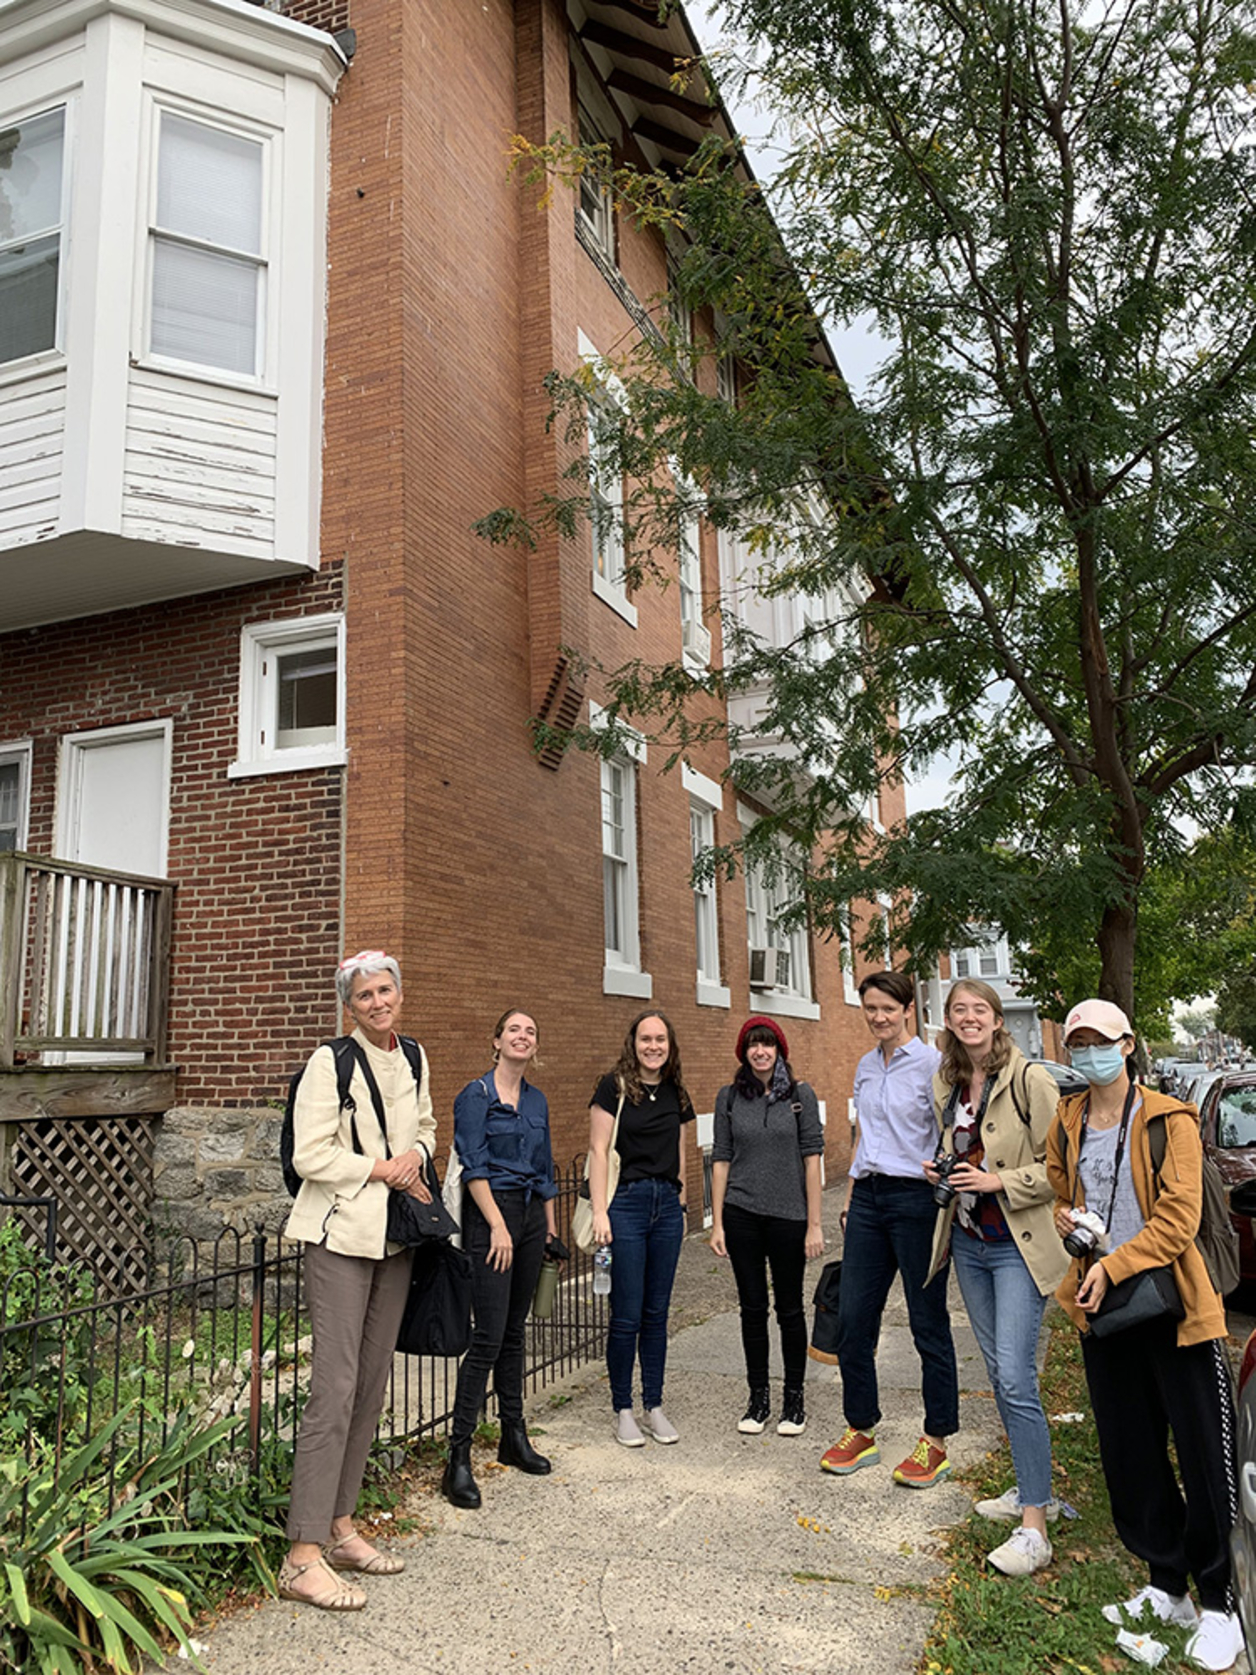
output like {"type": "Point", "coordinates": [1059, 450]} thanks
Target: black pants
{"type": "Point", "coordinates": [757, 1244]}
{"type": "Point", "coordinates": [499, 1303]}
{"type": "Point", "coordinates": [1141, 1384]}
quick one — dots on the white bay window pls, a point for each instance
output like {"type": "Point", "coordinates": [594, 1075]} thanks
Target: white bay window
{"type": "Point", "coordinates": [209, 268]}
{"type": "Point", "coordinates": [32, 187]}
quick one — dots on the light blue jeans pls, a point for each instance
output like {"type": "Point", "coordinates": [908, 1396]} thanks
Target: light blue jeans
{"type": "Point", "coordinates": [1005, 1309]}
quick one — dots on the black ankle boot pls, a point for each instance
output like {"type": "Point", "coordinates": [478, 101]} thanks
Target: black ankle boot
{"type": "Point", "coordinates": [458, 1485]}
{"type": "Point", "coordinates": [515, 1450]}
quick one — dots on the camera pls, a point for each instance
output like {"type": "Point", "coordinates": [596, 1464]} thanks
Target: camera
{"type": "Point", "coordinates": [944, 1162]}
{"type": "Point", "coordinates": [1088, 1235]}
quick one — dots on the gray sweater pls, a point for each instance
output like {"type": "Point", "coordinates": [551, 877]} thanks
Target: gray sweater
{"type": "Point", "coordinates": [764, 1144]}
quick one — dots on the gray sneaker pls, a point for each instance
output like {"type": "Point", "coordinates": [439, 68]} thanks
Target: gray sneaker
{"type": "Point", "coordinates": [627, 1431]}
{"type": "Point", "coordinates": [660, 1426]}
{"type": "Point", "coordinates": [1007, 1507]}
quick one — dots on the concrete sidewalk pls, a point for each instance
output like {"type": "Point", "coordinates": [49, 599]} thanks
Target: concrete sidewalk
{"type": "Point", "coordinates": [725, 1553]}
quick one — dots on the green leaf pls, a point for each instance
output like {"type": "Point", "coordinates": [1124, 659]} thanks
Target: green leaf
{"type": "Point", "coordinates": [17, 1586]}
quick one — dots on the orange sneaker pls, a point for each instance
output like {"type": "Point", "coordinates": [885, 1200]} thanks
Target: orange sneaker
{"type": "Point", "coordinates": [853, 1450]}
{"type": "Point", "coordinates": [923, 1467]}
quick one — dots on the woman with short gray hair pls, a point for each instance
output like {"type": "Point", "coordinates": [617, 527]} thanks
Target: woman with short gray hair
{"type": "Point", "coordinates": [356, 1281]}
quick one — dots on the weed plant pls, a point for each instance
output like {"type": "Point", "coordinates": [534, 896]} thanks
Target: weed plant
{"type": "Point", "coordinates": [1050, 1623]}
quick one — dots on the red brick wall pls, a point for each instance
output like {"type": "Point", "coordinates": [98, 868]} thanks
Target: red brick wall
{"type": "Point", "coordinates": [256, 861]}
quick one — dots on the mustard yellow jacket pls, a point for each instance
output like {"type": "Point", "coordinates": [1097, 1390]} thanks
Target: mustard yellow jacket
{"type": "Point", "coordinates": [1171, 1216]}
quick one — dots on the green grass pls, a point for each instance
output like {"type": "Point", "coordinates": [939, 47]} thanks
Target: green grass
{"type": "Point", "coordinates": [1048, 1624]}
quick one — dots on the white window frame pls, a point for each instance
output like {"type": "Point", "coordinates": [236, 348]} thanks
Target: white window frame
{"type": "Point", "coordinates": [19, 752]}
{"type": "Point", "coordinates": [689, 575]}
{"type": "Point", "coordinates": [706, 800]}
{"type": "Point", "coordinates": [726, 377]}
{"type": "Point", "coordinates": [677, 307]}
{"type": "Point", "coordinates": [850, 983]}
{"type": "Point", "coordinates": [261, 645]}
{"type": "Point", "coordinates": [239, 127]}
{"type": "Point", "coordinates": [24, 364]}
{"type": "Point", "coordinates": [988, 948]}
{"type": "Point", "coordinates": [595, 205]}
{"type": "Point", "coordinates": [621, 967]}
{"type": "Point", "coordinates": [765, 903]}
{"type": "Point", "coordinates": [606, 495]}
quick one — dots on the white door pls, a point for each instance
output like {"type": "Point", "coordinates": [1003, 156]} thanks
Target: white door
{"type": "Point", "coordinates": [113, 801]}
{"type": "Point", "coordinates": [114, 798]}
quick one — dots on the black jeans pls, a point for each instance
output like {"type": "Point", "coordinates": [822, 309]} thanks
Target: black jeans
{"type": "Point", "coordinates": [889, 1231]}
{"type": "Point", "coordinates": [500, 1304]}
{"type": "Point", "coordinates": [757, 1244]}
{"type": "Point", "coordinates": [1141, 1387]}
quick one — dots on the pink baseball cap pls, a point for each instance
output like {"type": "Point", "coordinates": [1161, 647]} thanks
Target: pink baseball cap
{"type": "Point", "coordinates": [1101, 1016]}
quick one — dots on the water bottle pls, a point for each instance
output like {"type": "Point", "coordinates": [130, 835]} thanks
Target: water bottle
{"type": "Point", "coordinates": [602, 1271]}
{"type": "Point", "coordinates": [546, 1289]}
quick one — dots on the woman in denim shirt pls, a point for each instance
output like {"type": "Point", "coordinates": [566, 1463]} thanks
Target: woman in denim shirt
{"type": "Point", "coordinates": [501, 1131]}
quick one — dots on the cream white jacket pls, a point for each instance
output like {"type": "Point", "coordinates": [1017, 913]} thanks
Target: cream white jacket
{"type": "Point", "coordinates": [339, 1205]}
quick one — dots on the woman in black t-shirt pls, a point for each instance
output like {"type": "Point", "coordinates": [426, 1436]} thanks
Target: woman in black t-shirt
{"type": "Point", "coordinates": [645, 1222]}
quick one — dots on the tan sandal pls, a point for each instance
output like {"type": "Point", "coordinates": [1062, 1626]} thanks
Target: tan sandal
{"type": "Point", "coordinates": [337, 1597]}
{"type": "Point", "coordinates": [379, 1564]}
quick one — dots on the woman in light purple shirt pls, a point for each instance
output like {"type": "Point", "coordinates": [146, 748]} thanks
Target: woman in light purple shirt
{"type": "Point", "coordinates": [888, 1227]}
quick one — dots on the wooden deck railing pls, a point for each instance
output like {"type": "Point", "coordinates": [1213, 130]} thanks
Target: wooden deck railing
{"type": "Point", "coordinates": [84, 962]}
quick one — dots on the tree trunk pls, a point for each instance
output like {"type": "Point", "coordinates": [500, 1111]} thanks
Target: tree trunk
{"type": "Point", "coordinates": [1118, 931]}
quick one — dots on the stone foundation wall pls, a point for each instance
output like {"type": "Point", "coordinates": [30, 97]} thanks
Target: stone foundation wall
{"type": "Point", "coordinates": [216, 1167]}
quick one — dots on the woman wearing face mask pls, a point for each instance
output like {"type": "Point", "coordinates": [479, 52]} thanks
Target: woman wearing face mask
{"type": "Point", "coordinates": [1162, 1374]}
{"type": "Point", "coordinates": [994, 1111]}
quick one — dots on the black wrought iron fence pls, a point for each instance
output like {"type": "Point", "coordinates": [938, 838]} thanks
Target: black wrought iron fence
{"type": "Point", "coordinates": [223, 1332]}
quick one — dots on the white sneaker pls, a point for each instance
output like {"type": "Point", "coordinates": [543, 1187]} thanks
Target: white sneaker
{"type": "Point", "coordinates": [1024, 1552]}
{"type": "Point", "coordinates": [660, 1426]}
{"type": "Point", "coordinates": [1217, 1641]}
{"type": "Point", "coordinates": [627, 1431]}
{"type": "Point", "coordinates": [1166, 1608]}
{"type": "Point", "coordinates": [1007, 1507]}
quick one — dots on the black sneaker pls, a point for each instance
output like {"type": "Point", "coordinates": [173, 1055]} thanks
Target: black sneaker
{"type": "Point", "coordinates": [756, 1414]}
{"type": "Point", "coordinates": [793, 1419]}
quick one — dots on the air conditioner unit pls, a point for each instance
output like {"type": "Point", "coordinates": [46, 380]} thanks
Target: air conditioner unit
{"type": "Point", "coordinates": [769, 968]}
{"type": "Point", "coordinates": [697, 641]}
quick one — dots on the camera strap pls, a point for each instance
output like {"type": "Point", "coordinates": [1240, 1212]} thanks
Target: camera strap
{"type": "Point", "coordinates": [1130, 1096]}
{"type": "Point", "coordinates": [952, 1104]}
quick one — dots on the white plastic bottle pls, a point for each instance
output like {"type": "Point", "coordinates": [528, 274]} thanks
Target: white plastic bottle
{"type": "Point", "coordinates": [602, 1271]}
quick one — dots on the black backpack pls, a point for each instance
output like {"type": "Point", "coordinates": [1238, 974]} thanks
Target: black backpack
{"type": "Point", "coordinates": [347, 1053]}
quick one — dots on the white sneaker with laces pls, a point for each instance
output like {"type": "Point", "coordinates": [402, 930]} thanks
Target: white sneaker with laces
{"type": "Point", "coordinates": [1166, 1608]}
{"type": "Point", "coordinates": [1007, 1507]}
{"type": "Point", "coordinates": [660, 1426]}
{"type": "Point", "coordinates": [1217, 1641]}
{"type": "Point", "coordinates": [1024, 1552]}
{"type": "Point", "coordinates": [627, 1431]}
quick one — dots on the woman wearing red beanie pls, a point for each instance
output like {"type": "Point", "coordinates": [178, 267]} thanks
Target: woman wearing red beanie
{"type": "Point", "coordinates": [765, 1199]}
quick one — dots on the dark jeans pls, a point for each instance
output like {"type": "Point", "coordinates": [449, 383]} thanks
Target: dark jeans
{"type": "Point", "coordinates": [1141, 1386]}
{"type": "Point", "coordinates": [647, 1230]}
{"type": "Point", "coordinates": [500, 1304]}
{"type": "Point", "coordinates": [757, 1244]}
{"type": "Point", "coordinates": [889, 1231]}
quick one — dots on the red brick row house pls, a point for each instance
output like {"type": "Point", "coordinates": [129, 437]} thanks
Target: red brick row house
{"type": "Point", "coordinates": [274, 320]}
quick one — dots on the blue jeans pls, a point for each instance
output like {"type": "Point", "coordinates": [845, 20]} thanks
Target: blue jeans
{"type": "Point", "coordinates": [889, 1231]}
{"type": "Point", "coordinates": [647, 1230]}
{"type": "Point", "coordinates": [1005, 1309]}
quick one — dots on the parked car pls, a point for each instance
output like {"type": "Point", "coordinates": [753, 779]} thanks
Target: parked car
{"type": "Point", "coordinates": [1065, 1075]}
{"type": "Point", "coordinates": [1227, 1123]}
{"type": "Point", "coordinates": [1243, 1536]}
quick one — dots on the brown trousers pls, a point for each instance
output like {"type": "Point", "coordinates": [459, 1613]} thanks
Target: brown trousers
{"type": "Point", "coordinates": [356, 1304]}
